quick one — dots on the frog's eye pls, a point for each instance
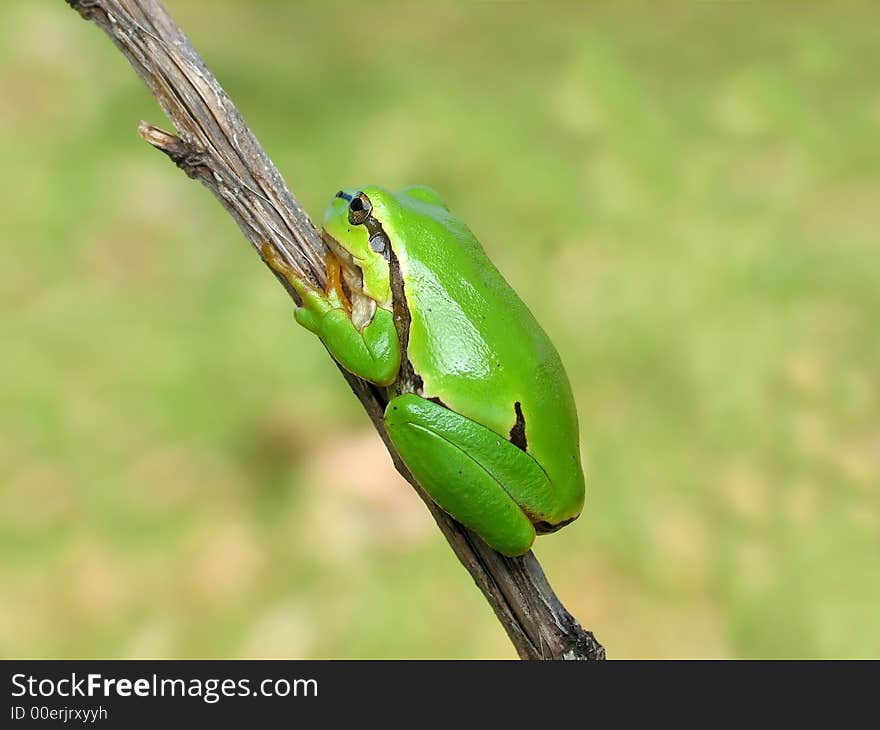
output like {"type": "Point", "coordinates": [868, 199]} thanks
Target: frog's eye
{"type": "Point", "coordinates": [359, 209]}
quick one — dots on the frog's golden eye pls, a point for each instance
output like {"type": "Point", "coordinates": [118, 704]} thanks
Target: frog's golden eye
{"type": "Point", "coordinates": [359, 209]}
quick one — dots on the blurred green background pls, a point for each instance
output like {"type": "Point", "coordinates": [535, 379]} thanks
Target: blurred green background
{"type": "Point", "coordinates": [688, 196]}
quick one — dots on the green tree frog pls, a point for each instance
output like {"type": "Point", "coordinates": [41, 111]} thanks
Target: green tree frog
{"type": "Point", "coordinates": [479, 406]}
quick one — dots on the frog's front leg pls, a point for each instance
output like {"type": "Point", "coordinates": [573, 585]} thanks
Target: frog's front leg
{"type": "Point", "coordinates": [480, 478]}
{"type": "Point", "coordinates": [371, 352]}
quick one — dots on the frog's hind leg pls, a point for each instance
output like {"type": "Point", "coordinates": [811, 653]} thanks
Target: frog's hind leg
{"type": "Point", "coordinates": [475, 475]}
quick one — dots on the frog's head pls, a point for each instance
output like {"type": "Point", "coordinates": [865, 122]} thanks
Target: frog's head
{"type": "Point", "coordinates": [359, 227]}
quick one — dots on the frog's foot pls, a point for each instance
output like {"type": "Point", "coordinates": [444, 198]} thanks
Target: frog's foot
{"type": "Point", "coordinates": [333, 297]}
{"type": "Point", "coordinates": [477, 476]}
{"type": "Point", "coordinates": [369, 350]}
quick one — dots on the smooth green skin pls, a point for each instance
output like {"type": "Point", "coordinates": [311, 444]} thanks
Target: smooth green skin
{"type": "Point", "coordinates": [477, 349]}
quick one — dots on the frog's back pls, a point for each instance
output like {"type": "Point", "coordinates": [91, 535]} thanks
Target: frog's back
{"type": "Point", "coordinates": [481, 352]}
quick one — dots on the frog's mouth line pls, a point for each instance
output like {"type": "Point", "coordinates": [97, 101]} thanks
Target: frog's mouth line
{"type": "Point", "coordinates": [351, 283]}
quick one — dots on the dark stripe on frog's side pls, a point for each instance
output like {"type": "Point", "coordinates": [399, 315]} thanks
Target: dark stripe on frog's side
{"type": "Point", "coordinates": [408, 381]}
{"type": "Point", "coordinates": [518, 431]}
{"type": "Point", "coordinates": [545, 528]}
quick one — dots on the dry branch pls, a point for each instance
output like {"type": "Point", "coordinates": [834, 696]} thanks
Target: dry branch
{"type": "Point", "coordinates": [215, 146]}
